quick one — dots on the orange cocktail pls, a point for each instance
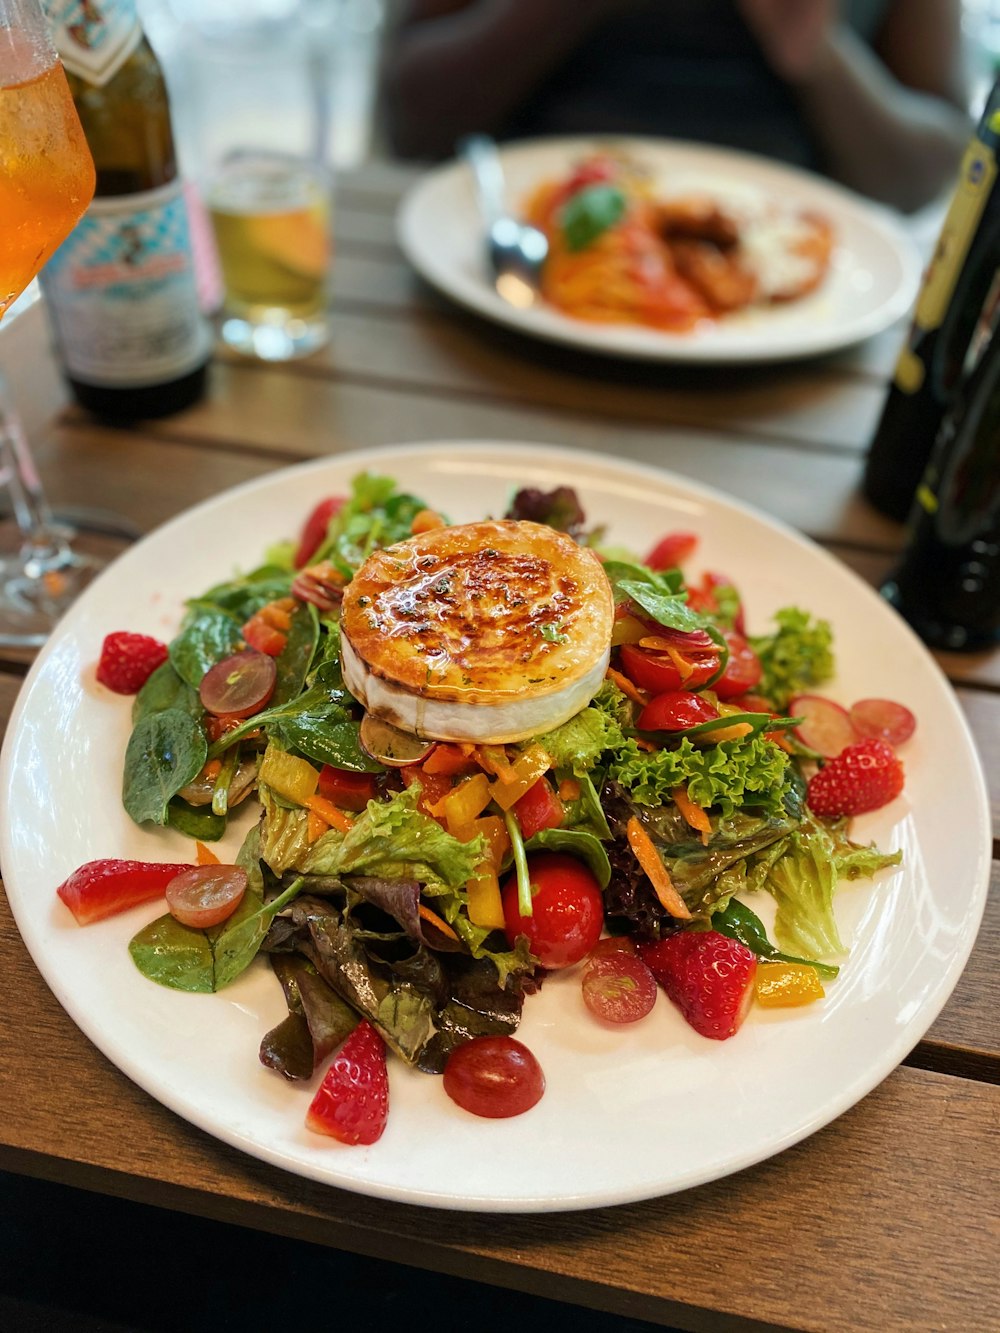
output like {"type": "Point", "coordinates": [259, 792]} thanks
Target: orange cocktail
{"type": "Point", "coordinates": [46, 172]}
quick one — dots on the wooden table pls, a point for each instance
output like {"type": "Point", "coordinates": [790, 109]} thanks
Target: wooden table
{"type": "Point", "coordinates": [888, 1218]}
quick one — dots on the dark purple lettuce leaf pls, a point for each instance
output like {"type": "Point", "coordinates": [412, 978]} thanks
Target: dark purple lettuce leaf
{"type": "Point", "coordinates": [559, 508]}
{"type": "Point", "coordinates": [318, 1020]}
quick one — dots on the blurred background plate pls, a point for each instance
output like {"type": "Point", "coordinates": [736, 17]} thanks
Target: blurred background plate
{"type": "Point", "coordinates": [873, 279]}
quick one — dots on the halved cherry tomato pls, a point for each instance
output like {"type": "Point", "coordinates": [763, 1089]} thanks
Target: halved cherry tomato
{"type": "Point", "coordinates": [102, 888]}
{"type": "Point", "coordinates": [672, 550]}
{"type": "Point", "coordinates": [676, 710]}
{"type": "Point", "coordinates": [743, 670]}
{"type": "Point", "coordinates": [314, 530]}
{"type": "Point", "coordinates": [238, 686]}
{"type": "Point", "coordinates": [657, 672]}
{"type": "Point", "coordinates": [567, 909]}
{"type": "Point", "coordinates": [496, 1077]}
{"type": "Point", "coordinates": [205, 895]}
{"type": "Point", "coordinates": [346, 789]}
{"type": "Point", "coordinates": [539, 808]}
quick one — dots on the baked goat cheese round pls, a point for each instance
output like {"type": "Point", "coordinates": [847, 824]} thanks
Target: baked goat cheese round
{"type": "Point", "coordinates": [489, 632]}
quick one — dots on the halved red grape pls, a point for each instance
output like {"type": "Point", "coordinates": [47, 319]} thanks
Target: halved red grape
{"type": "Point", "coordinates": [611, 946]}
{"type": "Point", "coordinates": [619, 988]}
{"type": "Point", "coordinates": [825, 727]}
{"type": "Point", "coordinates": [889, 721]}
{"type": "Point", "coordinates": [238, 686]}
{"type": "Point", "coordinates": [495, 1077]}
{"type": "Point", "coordinates": [205, 895]}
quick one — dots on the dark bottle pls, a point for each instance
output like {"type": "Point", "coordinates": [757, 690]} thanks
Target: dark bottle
{"type": "Point", "coordinates": [121, 289]}
{"type": "Point", "coordinates": [929, 367]}
{"type": "Point", "coordinates": [948, 584]}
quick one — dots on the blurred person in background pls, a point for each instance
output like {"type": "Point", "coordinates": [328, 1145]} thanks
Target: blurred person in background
{"type": "Point", "coordinates": [871, 92]}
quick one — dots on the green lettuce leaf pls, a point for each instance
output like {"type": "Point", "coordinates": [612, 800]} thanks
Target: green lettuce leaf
{"type": "Point", "coordinates": [578, 744]}
{"type": "Point", "coordinates": [795, 658]}
{"type": "Point", "coordinates": [748, 771]}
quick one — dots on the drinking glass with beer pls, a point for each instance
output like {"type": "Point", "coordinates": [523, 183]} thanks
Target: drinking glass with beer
{"type": "Point", "coordinates": [257, 88]}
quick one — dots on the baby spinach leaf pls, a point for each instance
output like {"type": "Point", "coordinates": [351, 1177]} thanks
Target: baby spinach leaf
{"type": "Point", "coordinates": [241, 597]}
{"type": "Point", "coordinates": [165, 689]}
{"type": "Point", "coordinates": [741, 923]}
{"type": "Point", "coordinates": [174, 955]}
{"type": "Point", "coordinates": [326, 741]}
{"type": "Point", "coordinates": [165, 752]}
{"type": "Point", "coordinates": [195, 821]}
{"type": "Point", "coordinates": [658, 594]}
{"type": "Point", "coordinates": [575, 842]}
{"type": "Point", "coordinates": [319, 706]}
{"type": "Point", "coordinates": [589, 212]}
{"type": "Point", "coordinates": [209, 635]}
{"type": "Point", "coordinates": [237, 946]}
{"type": "Point", "coordinates": [295, 658]}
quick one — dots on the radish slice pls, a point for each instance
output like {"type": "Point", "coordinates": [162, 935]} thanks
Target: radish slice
{"type": "Point", "coordinates": [825, 727]}
{"type": "Point", "coordinates": [889, 721]}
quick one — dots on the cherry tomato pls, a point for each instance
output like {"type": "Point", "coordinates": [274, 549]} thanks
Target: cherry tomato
{"type": "Point", "coordinates": [239, 686]}
{"type": "Point", "coordinates": [889, 721]}
{"type": "Point", "coordinates": [496, 1077]}
{"type": "Point", "coordinates": [619, 988]}
{"type": "Point", "coordinates": [314, 530]}
{"type": "Point", "coordinates": [539, 808]}
{"type": "Point", "coordinates": [346, 789]}
{"type": "Point", "coordinates": [206, 895]}
{"type": "Point", "coordinates": [676, 711]}
{"type": "Point", "coordinates": [672, 550]}
{"type": "Point", "coordinates": [567, 909]}
{"type": "Point", "coordinates": [659, 673]}
{"type": "Point", "coordinates": [743, 670]}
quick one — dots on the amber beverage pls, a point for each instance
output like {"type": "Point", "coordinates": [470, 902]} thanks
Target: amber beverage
{"type": "Point", "coordinates": [46, 171]}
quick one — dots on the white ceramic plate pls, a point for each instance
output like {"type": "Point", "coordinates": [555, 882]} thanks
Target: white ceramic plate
{"type": "Point", "coordinates": [628, 1113]}
{"type": "Point", "coordinates": [873, 279]}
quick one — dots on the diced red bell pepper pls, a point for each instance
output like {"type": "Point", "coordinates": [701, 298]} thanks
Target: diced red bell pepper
{"type": "Point", "coordinates": [346, 789]}
{"type": "Point", "coordinates": [539, 808]}
{"type": "Point", "coordinates": [435, 785]}
{"type": "Point", "coordinates": [264, 637]}
{"type": "Point", "coordinates": [103, 888]}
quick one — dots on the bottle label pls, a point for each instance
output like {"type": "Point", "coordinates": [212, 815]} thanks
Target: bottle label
{"type": "Point", "coordinates": [121, 290]}
{"type": "Point", "coordinates": [94, 38]}
{"type": "Point", "coordinates": [978, 172]}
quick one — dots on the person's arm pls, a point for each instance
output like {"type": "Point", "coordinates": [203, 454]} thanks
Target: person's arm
{"type": "Point", "coordinates": [456, 66]}
{"type": "Point", "coordinates": [890, 120]}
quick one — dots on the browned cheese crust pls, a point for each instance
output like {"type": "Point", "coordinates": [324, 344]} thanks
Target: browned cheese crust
{"type": "Point", "coordinates": [480, 613]}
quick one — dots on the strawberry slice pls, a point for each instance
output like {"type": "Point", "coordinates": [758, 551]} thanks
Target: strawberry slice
{"type": "Point", "coordinates": [128, 660]}
{"type": "Point", "coordinates": [707, 975]}
{"type": "Point", "coordinates": [863, 777]}
{"type": "Point", "coordinates": [352, 1102]}
{"type": "Point", "coordinates": [314, 530]}
{"type": "Point", "coordinates": [103, 888]}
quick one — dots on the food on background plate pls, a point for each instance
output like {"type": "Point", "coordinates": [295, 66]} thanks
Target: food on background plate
{"type": "Point", "coordinates": [612, 774]}
{"type": "Point", "coordinates": [622, 252]}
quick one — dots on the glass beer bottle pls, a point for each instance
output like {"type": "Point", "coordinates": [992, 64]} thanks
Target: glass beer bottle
{"type": "Point", "coordinates": [948, 583]}
{"type": "Point", "coordinates": [929, 367]}
{"type": "Point", "coordinates": [121, 290]}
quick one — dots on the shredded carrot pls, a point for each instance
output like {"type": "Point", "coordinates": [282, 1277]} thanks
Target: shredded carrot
{"type": "Point", "coordinates": [329, 813]}
{"type": "Point", "coordinates": [683, 664]}
{"type": "Point", "coordinates": [436, 921]}
{"type": "Point", "coordinates": [693, 813]}
{"type": "Point", "coordinates": [569, 790]}
{"type": "Point", "coordinates": [780, 739]}
{"type": "Point", "coordinates": [204, 856]}
{"type": "Point", "coordinates": [627, 688]}
{"type": "Point", "coordinates": [649, 858]}
{"type": "Point", "coordinates": [212, 769]}
{"type": "Point", "coordinates": [316, 826]}
{"type": "Point", "coordinates": [641, 744]}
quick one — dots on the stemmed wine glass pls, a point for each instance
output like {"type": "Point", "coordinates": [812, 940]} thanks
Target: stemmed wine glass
{"type": "Point", "coordinates": [46, 182]}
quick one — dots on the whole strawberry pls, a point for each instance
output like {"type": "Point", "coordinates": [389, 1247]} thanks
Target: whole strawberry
{"type": "Point", "coordinates": [128, 660]}
{"type": "Point", "coordinates": [864, 776]}
{"type": "Point", "coordinates": [352, 1102]}
{"type": "Point", "coordinates": [707, 975]}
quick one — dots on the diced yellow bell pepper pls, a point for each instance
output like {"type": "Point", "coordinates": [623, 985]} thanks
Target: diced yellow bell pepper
{"type": "Point", "coordinates": [464, 802]}
{"type": "Point", "coordinates": [291, 777]}
{"type": "Point", "coordinates": [524, 773]}
{"type": "Point", "coordinates": [784, 985]}
{"type": "Point", "coordinates": [485, 906]}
